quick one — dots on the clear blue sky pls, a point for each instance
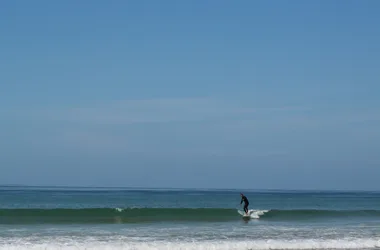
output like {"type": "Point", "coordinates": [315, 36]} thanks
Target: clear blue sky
{"type": "Point", "coordinates": [245, 94]}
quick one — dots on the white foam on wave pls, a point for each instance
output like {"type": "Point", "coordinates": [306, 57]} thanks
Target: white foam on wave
{"type": "Point", "coordinates": [254, 214]}
{"type": "Point", "coordinates": [257, 213]}
{"type": "Point", "coordinates": [199, 245]}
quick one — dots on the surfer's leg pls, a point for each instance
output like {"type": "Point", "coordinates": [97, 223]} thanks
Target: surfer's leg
{"type": "Point", "coordinates": [246, 209]}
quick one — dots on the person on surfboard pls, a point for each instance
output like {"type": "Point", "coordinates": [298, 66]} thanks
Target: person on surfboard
{"type": "Point", "coordinates": [246, 202]}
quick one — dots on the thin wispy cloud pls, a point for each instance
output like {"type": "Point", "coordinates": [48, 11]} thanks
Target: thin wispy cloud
{"type": "Point", "coordinates": [93, 127]}
{"type": "Point", "coordinates": [163, 110]}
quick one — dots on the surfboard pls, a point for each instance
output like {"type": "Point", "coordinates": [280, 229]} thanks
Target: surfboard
{"type": "Point", "coordinates": [248, 215]}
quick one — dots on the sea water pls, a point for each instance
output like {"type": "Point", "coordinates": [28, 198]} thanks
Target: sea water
{"type": "Point", "coordinates": [97, 218]}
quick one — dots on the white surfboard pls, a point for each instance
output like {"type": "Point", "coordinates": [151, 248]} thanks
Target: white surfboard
{"type": "Point", "coordinates": [245, 215]}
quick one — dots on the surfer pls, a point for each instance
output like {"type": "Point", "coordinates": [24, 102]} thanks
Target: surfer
{"type": "Point", "coordinates": [246, 202]}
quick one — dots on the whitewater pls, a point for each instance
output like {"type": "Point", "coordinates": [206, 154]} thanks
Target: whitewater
{"type": "Point", "coordinates": [220, 245]}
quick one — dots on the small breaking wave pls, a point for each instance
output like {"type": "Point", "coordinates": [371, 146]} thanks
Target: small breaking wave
{"type": "Point", "coordinates": [140, 215]}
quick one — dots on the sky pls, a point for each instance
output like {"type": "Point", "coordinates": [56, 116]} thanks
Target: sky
{"type": "Point", "coordinates": [190, 94]}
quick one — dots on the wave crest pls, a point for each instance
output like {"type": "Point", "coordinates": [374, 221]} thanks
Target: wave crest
{"type": "Point", "coordinates": [139, 215]}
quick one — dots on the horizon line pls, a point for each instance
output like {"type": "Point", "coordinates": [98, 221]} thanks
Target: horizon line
{"type": "Point", "coordinates": [189, 188]}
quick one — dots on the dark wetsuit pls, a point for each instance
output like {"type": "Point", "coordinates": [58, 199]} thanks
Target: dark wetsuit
{"type": "Point", "coordinates": [246, 203]}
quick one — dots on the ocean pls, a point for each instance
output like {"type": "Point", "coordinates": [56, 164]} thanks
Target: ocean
{"type": "Point", "coordinates": [105, 218]}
